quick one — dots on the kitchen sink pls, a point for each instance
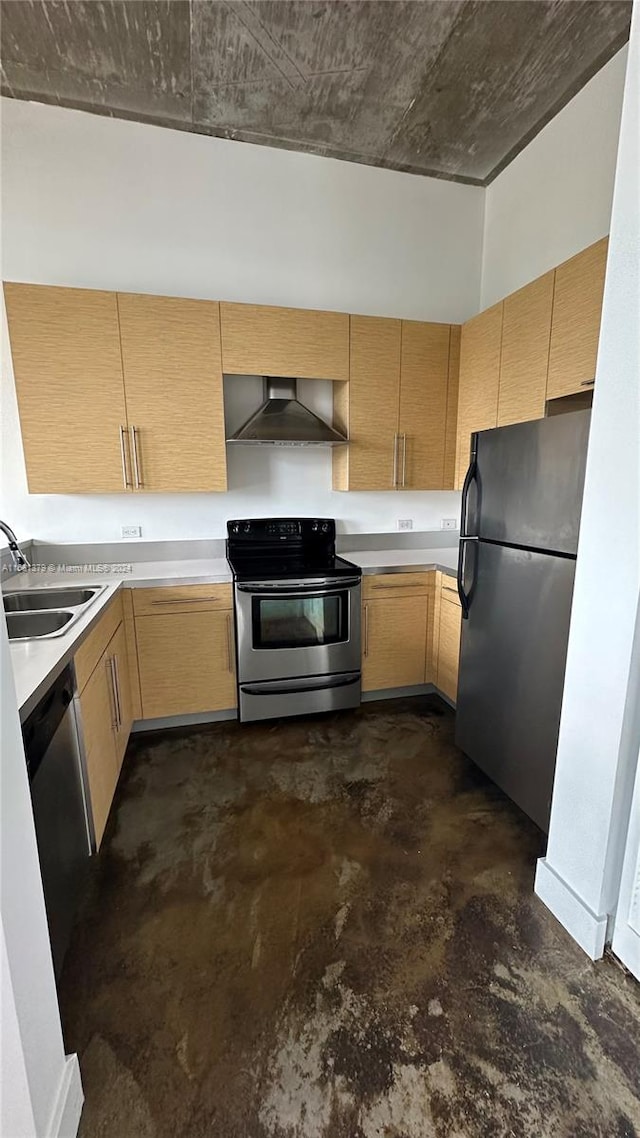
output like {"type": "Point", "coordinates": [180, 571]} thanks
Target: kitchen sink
{"type": "Point", "coordinates": [33, 625]}
{"type": "Point", "coordinates": [36, 613]}
{"type": "Point", "coordinates": [30, 600]}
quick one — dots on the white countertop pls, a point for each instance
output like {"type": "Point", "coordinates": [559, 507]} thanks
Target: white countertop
{"type": "Point", "coordinates": [404, 560]}
{"type": "Point", "coordinates": [36, 663]}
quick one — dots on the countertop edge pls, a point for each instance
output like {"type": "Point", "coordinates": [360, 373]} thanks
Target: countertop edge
{"type": "Point", "coordinates": [415, 567]}
{"type": "Point", "coordinates": [80, 631]}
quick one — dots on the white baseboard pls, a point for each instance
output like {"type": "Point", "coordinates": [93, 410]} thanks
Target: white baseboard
{"type": "Point", "coordinates": [65, 1118]}
{"type": "Point", "coordinates": [586, 927]}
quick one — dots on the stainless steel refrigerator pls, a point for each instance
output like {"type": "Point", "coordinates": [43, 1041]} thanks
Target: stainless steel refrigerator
{"type": "Point", "coordinates": [521, 504]}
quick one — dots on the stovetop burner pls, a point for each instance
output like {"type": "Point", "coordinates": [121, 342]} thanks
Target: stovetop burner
{"type": "Point", "coordinates": [263, 549]}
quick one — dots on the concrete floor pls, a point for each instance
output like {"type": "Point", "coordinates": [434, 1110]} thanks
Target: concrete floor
{"type": "Point", "coordinates": [326, 929]}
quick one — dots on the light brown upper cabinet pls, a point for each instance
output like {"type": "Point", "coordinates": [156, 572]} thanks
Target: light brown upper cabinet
{"type": "Point", "coordinates": [65, 345]}
{"type": "Point", "coordinates": [422, 419]}
{"type": "Point", "coordinates": [575, 325]}
{"type": "Point", "coordinates": [480, 345]}
{"type": "Point", "coordinates": [117, 392]}
{"type": "Point", "coordinates": [395, 406]}
{"type": "Point", "coordinates": [173, 383]}
{"type": "Point", "coordinates": [526, 331]}
{"type": "Point", "coordinates": [260, 340]}
{"type": "Point", "coordinates": [366, 409]}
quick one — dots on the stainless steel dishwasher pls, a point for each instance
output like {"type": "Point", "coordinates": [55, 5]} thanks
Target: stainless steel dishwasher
{"type": "Point", "coordinates": [59, 809]}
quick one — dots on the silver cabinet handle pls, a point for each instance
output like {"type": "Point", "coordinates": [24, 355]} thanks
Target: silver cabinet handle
{"type": "Point", "coordinates": [366, 630]}
{"type": "Point", "coordinates": [229, 643]}
{"type": "Point", "coordinates": [404, 459]}
{"type": "Point", "coordinates": [116, 676]}
{"type": "Point", "coordinates": [137, 478]}
{"type": "Point", "coordinates": [588, 383]}
{"type": "Point", "coordinates": [112, 697]}
{"type": "Point", "coordinates": [123, 456]}
{"type": "Point", "coordinates": [401, 585]}
{"type": "Point", "coordinates": [186, 601]}
{"type": "Point", "coordinates": [395, 461]}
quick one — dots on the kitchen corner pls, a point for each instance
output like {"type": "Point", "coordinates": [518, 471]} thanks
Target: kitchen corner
{"type": "Point", "coordinates": [36, 663]}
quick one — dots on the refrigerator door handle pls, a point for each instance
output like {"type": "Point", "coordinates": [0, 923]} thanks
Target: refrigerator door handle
{"type": "Point", "coordinates": [465, 536]}
{"type": "Point", "coordinates": [470, 476]}
{"type": "Point", "coordinates": [465, 600]}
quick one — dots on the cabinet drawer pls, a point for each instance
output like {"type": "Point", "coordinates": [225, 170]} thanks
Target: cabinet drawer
{"type": "Point", "coordinates": [181, 598]}
{"type": "Point", "coordinates": [397, 584]}
{"type": "Point", "coordinates": [93, 646]}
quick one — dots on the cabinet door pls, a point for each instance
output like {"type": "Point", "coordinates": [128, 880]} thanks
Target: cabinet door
{"type": "Point", "coordinates": [449, 477]}
{"type": "Point", "coordinates": [117, 651]}
{"type": "Point", "coordinates": [367, 408]}
{"type": "Point", "coordinates": [575, 325]}
{"type": "Point", "coordinates": [132, 652]}
{"type": "Point", "coordinates": [394, 641]}
{"type": "Point", "coordinates": [68, 372]}
{"type": "Point", "coordinates": [186, 663]}
{"type": "Point", "coordinates": [480, 343]}
{"type": "Point", "coordinates": [524, 361]}
{"type": "Point", "coordinates": [259, 340]}
{"type": "Point", "coordinates": [450, 624]}
{"type": "Point", "coordinates": [98, 709]}
{"type": "Point", "coordinates": [173, 383]}
{"type": "Point", "coordinates": [424, 374]}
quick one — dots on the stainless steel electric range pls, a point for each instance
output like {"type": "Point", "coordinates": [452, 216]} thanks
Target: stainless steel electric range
{"type": "Point", "coordinates": [297, 618]}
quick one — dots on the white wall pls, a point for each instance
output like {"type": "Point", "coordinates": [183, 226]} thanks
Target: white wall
{"type": "Point", "coordinates": [95, 202]}
{"type": "Point", "coordinates": [45, 1093]}
{"type": "Point", "coordinates": [600, 723]}
{"type": "Point", "coordinates": [555, 198]}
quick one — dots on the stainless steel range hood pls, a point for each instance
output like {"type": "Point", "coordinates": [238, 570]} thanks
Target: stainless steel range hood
{"type": "Point", "coordinates": [283, 421]}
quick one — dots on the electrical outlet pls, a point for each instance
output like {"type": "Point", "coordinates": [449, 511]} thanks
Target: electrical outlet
{"type": "Point", "coordinates": [131, 531]}
{"type": "Point", "coordinates": [449, 523]}
{"type": "Point", "coordinates": [405, 523]}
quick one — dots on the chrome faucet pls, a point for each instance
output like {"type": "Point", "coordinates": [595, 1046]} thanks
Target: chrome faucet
{"type": "Point", "coordinates": [18, 559]}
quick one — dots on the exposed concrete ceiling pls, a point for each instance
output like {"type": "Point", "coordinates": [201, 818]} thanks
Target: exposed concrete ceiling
{"type": "Point", "coordinates": [447, 88]}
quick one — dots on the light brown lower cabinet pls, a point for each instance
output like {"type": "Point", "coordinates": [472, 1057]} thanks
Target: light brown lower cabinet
{"type": "Point", "coordinates": [186, 662]}
{"type": "Point", "coordinates": [397, 623]}
{"type": "Point", "coordinates": [107, 715]}
{"type": "Point", "coordinates": [447, 637]}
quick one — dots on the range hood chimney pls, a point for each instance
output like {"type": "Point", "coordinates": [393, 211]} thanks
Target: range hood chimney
{"type": "Point", "coordinates": [283, 421]}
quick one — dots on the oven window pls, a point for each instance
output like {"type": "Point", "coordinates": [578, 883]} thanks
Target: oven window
{"type": "Point", "coordinates": [300, 622]}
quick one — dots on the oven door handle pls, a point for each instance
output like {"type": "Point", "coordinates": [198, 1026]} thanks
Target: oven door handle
{"type": "Point", "coordinates": [300, 685]}
{"type": "Point", "coordinates": [296, 588]}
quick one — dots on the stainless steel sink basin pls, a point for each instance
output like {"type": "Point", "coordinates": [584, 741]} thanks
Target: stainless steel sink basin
{"type": "Point", "coordinates": [31, 600]}
{"type": "Point", "coordinates": [33, 625]}
{"type": "Point", "coordinates": [36, 613]}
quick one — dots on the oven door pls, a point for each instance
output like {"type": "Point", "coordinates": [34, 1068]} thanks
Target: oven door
{"type": "Point", "coordinates": [287, 629]}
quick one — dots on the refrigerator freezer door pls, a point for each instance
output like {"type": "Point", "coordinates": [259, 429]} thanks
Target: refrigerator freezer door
{"type": "Point", "coordinates": [530, 480]}
{"type": "Point", "coordinates": [512, 664]}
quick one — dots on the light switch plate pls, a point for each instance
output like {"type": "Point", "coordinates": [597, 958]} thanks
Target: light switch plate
{"type": "Point", "coordinates": [131, 531]}
{"type": "Point", "coordinates": [449, 523]}
{"type": "Point", "coordinates": [405, 523]}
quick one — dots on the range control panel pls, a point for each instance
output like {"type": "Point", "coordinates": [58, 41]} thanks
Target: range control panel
{"type": "Point", "coordinates": [259, 530]}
